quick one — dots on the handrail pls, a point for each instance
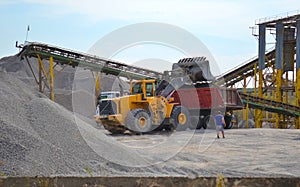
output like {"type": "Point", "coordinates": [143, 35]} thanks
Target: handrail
{"type": "Point", "coordinates": [270, 105]}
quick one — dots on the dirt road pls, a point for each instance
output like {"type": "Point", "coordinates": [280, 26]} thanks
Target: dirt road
{"type": "Point", "coordinates": [244, 152]}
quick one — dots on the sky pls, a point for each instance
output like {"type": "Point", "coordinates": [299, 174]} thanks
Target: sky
{"type": "Point", "coordinates": [223, 26]}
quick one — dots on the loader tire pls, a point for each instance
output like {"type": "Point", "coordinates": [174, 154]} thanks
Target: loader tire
{"type": "Point", "coordinates": [139, 121]}
{"type": "Point", "coordinates": [181, 118]}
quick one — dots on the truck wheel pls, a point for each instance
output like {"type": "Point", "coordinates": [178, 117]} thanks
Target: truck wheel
{"type": "Point", "coordinates": [200, 124]}
{"type": "Point", "coordinates": [181, 117]}
{"type": "Point", "coordinates": [204, 125]}
{"type": "Point", "coordinates": [138, 120]}
{"type": "Point", "coordinates": [209, 122]}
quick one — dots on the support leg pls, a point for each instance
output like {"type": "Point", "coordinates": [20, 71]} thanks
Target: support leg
{"type": "Point", "coordinates": [40, 78]}
{"type": "Point", "coordinates": [97, 87]}
{"type": "Point", "coordinates": [51, 72]}
{"type": "Point", "coordinates": [258, 112]}
{"type": "Point", "coordinates": [278, 94]}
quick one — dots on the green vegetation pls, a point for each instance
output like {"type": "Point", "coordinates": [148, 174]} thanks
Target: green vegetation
{"type": "Point", "coordinates": [88, 171]}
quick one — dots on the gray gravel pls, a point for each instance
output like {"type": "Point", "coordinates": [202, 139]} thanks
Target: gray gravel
{"type": "Point", "coordinates": [39, 137]}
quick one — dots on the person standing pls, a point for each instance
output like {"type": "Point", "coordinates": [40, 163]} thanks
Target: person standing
{"type": "Point", "coordinates": [220, 124]}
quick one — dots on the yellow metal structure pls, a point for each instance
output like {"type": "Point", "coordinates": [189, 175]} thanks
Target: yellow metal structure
{"type": "Point", "coordinates": [255, 79]}
{"type": "Point", "coordinates": [278, 94]}
{"type": "Point", "coordinates": [97, 86]}
{"type": "Point", "coordinates": [41, 65]}
{"type": "Point", "coordinates": [51, 82]}
{"type": "Point", "coordinates": [258, 112]}
{"type": "Point", "coordinates": [49, 77]}
{"type": "Point", "coordinates": [245, 110]}
{"type": "Point", "coordinates": [297, 100]}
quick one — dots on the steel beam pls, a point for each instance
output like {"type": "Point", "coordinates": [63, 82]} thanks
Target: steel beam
{"type": "Point", "coordinates": [258, 112]}
{"type": "Point", "coordinates": [279, 66]}
{"type": "Point", "coordinates": [246, 116]}
{"type": "Point", "coordinates": [278, 93]}
{"type": "Point", "coordinates": [298, 93]}
{"type": "Point", "coordinates": [30, 67]}
{"type": "Point", "coordinates": [261, 66]}
{"type": "Point", "coordinates": [43, 67]}
{"type": "Point", "coordinates": [279, 46]}
{"type": "Point", "coordinates": [94, 63]}
{"type": "Point", "coordinates": [40, 82]}
{"type": "Point", "coordinates": [261, 46]}
{"type": "Point", "coordinates": [97, 87]}
{"type": "Point", "coordinates": [297, 88]}
{"type": "Point", "coordinates": [51, 79]}
{"type": "Point", "coordinates": [255, 79]}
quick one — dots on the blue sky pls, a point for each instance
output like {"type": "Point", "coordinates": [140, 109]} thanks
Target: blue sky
{"type": "Point", "coordinates": [222, 25]}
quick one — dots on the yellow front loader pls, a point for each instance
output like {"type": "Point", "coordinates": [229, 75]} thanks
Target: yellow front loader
{"type": "Point", "coordinates": [141, 111]}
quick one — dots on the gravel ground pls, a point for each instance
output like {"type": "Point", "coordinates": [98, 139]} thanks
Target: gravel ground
{"type": "Point", "coordinates": [42, 138]}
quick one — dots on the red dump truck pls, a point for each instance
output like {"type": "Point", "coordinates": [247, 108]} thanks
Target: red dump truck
{"type": "Point", "coordinates": [203, 100]}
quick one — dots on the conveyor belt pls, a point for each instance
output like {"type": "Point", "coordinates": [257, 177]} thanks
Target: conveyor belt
{"type": "Point", "coordinates": [245, 70]}
{"type": "Point", "coordinates": [73, 58]}
{"type": "Point", "coordinates": [270, 105]}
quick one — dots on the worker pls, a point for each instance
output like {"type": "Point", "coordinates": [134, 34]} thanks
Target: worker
{"type": "Point", "coordinates": [220, 123]}
{"type": "Point", "coordinates": [228, 117]}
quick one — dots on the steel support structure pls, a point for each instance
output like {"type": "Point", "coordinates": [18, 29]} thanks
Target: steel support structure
{"type": "Point", "coordinates": [297, 87]}
{"type": "Point", "coordinates": [245, 110]}
{"type": "Point", "coordinates": [261, 67]}
{"type": "Point", "coordinates": [284, 85]}
{"type": "Point", "coordinates": [51, 73]}
{"type": "Point", "coordinates": [67, 57]}
{"type": "Point", "coordinates": [97, 87]}
{"type": "Point", "coordinates": [255, 79]}
{"type": "Point", "coordinates": [279, 66]}
{"type": "Point", "coordinates": [42, 72]}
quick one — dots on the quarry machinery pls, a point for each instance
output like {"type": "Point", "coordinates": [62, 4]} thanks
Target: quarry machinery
{"type": "Point", "coordinates": [52, 60]}
{"type": "Point", "coordinates": [186, 97]}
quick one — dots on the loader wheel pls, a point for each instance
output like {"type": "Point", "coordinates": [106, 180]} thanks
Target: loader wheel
{"type": "Point", "coordinates": [181, 117]}
{"type": "Point", "coordinates": [138, 120]}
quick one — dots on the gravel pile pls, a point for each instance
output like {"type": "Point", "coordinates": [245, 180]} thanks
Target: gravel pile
{"type": "Point", "coordinates": [40, 137]}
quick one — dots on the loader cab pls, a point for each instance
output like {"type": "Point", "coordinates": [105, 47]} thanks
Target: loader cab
{"type": "Point", "coordinates": [144, 87]}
